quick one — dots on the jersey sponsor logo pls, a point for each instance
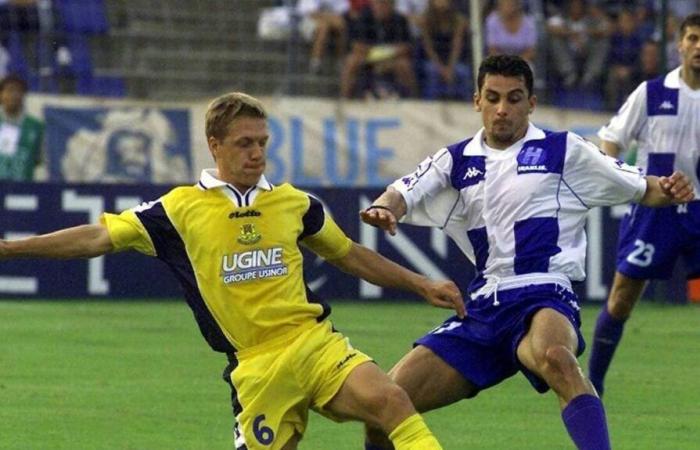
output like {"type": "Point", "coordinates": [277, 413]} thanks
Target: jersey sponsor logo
{"type": "Point", "coordinates": [253, 265]}
{"type": "Point", "coordinates": [249, 235]}
{"type": "Point", "coordinates": [248, 213]}
{"type": "Point", "coordinates": [472, 172]}
{"type": "Point", "coordinates": [530, 160]}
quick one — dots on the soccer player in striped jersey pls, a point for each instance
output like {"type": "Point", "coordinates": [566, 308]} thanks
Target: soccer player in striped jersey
{"type": "Point", "coordinates": [233, 241]}
{"type": "Point", "coordinates": [663, 116]}
{"type": "Point", "coordinates": [514, 198]}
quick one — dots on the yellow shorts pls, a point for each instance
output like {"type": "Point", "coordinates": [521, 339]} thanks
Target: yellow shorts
{"type": "Point", "coordinates": [275, 385]}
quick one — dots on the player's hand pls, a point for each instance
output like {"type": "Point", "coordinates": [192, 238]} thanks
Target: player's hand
{"type": "Point", "coordinates": [445, 294]}
{"type": "Point", "coordinates": [677, 187]}
{"type": "Point", "coordinates": [380, 217]}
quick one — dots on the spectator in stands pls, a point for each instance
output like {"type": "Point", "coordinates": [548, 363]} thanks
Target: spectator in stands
{"type": "Point", "coordinates": [20, 134]}
{"type": "Point", "coordinates": [444, 35]}
{"type": "Point", "coordinates": [649, 66]}
{"type": "Point", "coordinates": [509, 30]}
{"type": "Point", "coordinates": [380, 44]}
{"type": "Point", "coordinates": [579, 43]}
{"type": "Point", "coordinates": [327, 21]}
{"type": "Point", "coordinates": [625, 46]}
{"type": "Point", "coordinates": [413, 10]}
{"type": "Point", "coordinates": [19, 15]}
{"type": "Point", "coordinates": [673, 58]}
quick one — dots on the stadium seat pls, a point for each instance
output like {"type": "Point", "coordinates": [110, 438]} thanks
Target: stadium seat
{"type": "Point", "coordinates": [105, 86]}
{"type": "Point", "coordinates": [82, 16]}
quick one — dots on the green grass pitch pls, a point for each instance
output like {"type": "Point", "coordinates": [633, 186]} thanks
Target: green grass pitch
{"type": "Point", "coordinates": [137, 375]}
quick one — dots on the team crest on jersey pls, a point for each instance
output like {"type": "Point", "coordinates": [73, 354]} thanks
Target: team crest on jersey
{"type": "Point", "coordinates": [249, 235]}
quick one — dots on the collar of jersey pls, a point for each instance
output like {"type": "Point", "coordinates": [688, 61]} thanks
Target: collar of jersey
{"type": "Point", "coordinates": [209, 180]}
{"type": "Point", "coordinates": [477, 147]}
{"type": "Point", "coordinates": [673, 81]}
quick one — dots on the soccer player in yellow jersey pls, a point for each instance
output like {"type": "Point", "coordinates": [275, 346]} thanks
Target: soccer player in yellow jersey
{"type": "Point", "coordinates": [233, 242]}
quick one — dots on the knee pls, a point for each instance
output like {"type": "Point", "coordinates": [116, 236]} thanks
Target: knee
{"type": "Point", "coordinates": [389, 403]}
{"type": "Point", "coordinates": [559, 365]}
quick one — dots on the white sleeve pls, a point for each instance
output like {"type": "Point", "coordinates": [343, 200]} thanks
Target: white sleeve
{"type": "Point", "coordinates": [597, 179]}
{"type": "Point", "coordinates": [629, 120]}
{"type": "Point", "coordinates": [428, 192]}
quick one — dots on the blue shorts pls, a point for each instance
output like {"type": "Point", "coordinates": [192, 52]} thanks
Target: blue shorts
{"type": "Point", "coordinates": [482, 347]}
{"type": "Point", "coordinates": [651, 239]}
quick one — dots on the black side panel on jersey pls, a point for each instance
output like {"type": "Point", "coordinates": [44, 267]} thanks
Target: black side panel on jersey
{"type": "Point", "coordinates": [171, 249]}
{"type": "Point", "coordinates": [313, 219]}
{"type": "Point", "coordinates": [313, 222]}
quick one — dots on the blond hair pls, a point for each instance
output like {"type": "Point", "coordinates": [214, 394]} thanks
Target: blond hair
{"type": "Point", "coordinates": [224, 109]}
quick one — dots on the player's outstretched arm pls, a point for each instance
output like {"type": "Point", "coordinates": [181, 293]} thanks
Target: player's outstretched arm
{"type": "Point", "coordinates": [385, 211]}
{"type": "Point", "coordinates": [85, 241]}
{"type": "Point", "coordinates": [665, 191]}
{"type": "Point", "coordinates": [375, 268]}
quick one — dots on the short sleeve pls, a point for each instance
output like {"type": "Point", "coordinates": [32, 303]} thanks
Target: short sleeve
{"type": "Point", "coordinates": [127, 232]}
{"type": "Point", "coordinates": [321, 234]}
{"type": "Point", "coordinates": [597, 179]}
{"type": "Point", "coordinates": [626, 125]}
{"type": "Point", "coordinates": [428, 191]}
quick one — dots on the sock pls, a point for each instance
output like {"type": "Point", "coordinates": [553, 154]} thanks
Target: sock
{"type": "Point", "coordinates": [584, 418]}
{"type": "Point", "coordinates": [413, 434]}
{"type": "Point", "coordinates": [606, 337]}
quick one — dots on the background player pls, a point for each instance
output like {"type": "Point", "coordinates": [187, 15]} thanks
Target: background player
{"type": "Point", "coordinates": [232, 241]}
{"type": "Point", "coordinates": [514, 198]}
{"type": "Point", "coordinates": [663, 116]}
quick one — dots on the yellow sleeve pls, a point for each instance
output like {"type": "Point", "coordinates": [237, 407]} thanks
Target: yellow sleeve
{"type": "Point", "coordinates": [329, 242]}
{"type": "Point", "coordinates": [128, 233]}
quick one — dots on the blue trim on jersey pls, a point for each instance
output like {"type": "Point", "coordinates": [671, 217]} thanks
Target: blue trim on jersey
{"type": "Point", "coordinates": [466, 170]}
{"type": "Point", "coordinates": [543, 155]}
{"type": "Point", "coordinates": [239, 200]}
{"type": "Point", "coordinates": [660, 164]}
{"type": "Point", "coordinates": [171, 249]}
{"type": "Point", "coordinates": [661, 101]}
{"type": "Point", "coordinates": [535, 243]}
{"type": "Point", "coordinates": [480, 242]}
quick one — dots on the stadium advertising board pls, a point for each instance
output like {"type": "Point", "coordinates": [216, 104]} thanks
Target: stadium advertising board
{"type": "Point", "coordinates": [27, 209]}
{"type": "Point", "coordinates": [313, 142]}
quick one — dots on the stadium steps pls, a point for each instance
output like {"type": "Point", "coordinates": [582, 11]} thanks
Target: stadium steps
{"type": "Point", "coordinates": [170, 49]}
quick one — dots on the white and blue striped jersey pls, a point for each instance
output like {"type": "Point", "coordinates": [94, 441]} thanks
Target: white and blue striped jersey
{"type": "Point", "coordinates": [663, 116]}
{"type": "Point", "coordinates": [518, 214]}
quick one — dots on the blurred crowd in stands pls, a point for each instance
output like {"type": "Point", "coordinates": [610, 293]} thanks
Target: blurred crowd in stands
{"type": "Point", "coordinates": [599, 49]}
{"type": "Point", "coordinates": [585, 53]}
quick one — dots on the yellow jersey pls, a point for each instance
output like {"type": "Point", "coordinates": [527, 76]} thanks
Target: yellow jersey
{"type": "Point", "coordinates": [236, 255]}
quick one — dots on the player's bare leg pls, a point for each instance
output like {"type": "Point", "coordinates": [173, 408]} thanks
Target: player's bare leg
{"type": "Point", "coordinates": [369, 395]}
{"type": "Point", "coordinates": [548, 349]}
{"type": "Point", "coordinates": [292, 443]}
{"type": "Point", "coordinates": [430, 383]}
{"type": "Point", "coordinates": [624, 294]}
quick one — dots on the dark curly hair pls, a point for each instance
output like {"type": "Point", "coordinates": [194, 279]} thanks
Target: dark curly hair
{"type": "Point", "coordinates": [508, 66]}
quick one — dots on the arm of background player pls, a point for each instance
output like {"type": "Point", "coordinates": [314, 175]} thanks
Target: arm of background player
{"type": "Point", "coordinates": [390, 207]}
{"type": "Point", "coordinates": [610, 148]}
{"type": "Point", "coordinates": [375, 268]}
{"type": "Point", "coordinates": [665, 191]}
{"type": "Point", "coordinates": [85, 241]}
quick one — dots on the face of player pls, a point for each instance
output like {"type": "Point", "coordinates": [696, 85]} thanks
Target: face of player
{"type": "Point", "coordinates": [240, 156]}
{"type": "Point", "coordinates": [11, 98]}
{"type": "Point", "coordinates": [689, 48]}
{"type": "Point", "coordinates": [505, 109]}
